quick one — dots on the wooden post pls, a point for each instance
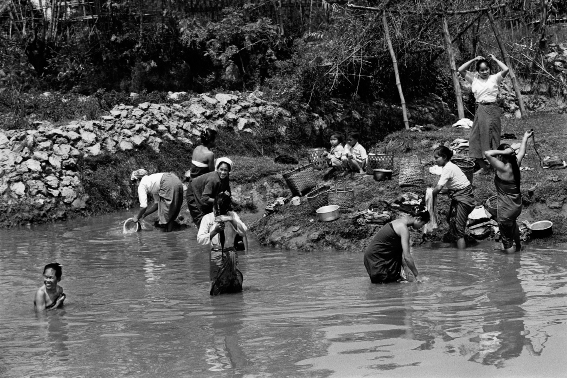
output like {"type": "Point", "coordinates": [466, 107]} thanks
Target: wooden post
{"type": "Point", "coordinates": [508, 63]}
{"type": "Point", "coordinates": [454, 74]}
{"type": "Point", "coordinates": [395, 63]}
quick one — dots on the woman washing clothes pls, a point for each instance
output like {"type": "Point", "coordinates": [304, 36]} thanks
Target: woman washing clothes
{"type": "Point", "coordinates": [167, 192]}
{"type": "Point", "coordinates": [202, 161]}
{"type": "Point", "coordinates": [206, 187]}
{"type": "Point", "coordinates": [460, 192]}
{"type": "Point", "coordinates": [220, 229]}
{"type": "Point", "coordinates": [507, 180]}
{"type": "Point", "coordinates": [486, 129]}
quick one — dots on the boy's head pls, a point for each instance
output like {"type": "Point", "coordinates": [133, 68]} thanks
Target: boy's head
{"type": "Point", "coordinates": [442, 155]}
{"type": "Point", "coordinates": [353, 138]}
{"type": "Point", "coordinates": [56, 268]}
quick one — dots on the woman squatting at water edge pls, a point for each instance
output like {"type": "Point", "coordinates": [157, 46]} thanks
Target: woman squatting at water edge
{"type": "Point", "coordinates": [50, 295]}
{"type": "Point", "coordinates": [167, 191]}
{"type": "Point", "coordinates": [206, 187]}
{"type": "Point", "coordinates": [221, 229]}
{"type": "Point", "coordinates": [507, 180]}
{"type": "Point", "coordinates": [486, 129]}
{"type": "Point", "coordinates": [388, 258]}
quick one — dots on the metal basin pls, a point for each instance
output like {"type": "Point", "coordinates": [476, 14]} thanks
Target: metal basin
{"type": "Point", "coordinates": [382, 174]}
{"type": "Point", "coordinates": [328, 213]}
{"type": "Point", "coordinates": [541, 229]}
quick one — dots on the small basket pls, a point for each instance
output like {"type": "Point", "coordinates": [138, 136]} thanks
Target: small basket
{"type": "Point", "coordinates": [300, 180]}
{"type": "Point", "coordinates": [491, 206]}
{"type": "Point", "coordinates": [466, 165]}
{"type": "Point", "coordinates": [379, 161]}
{"type": "Point", "coordinates": [411, 172]}
{"type": "Point", "coordinates": [344, 197]}
{"type": "Point", "coordinates": [319, 196]}
{"type": "Point", "coordinates": [317, 158]}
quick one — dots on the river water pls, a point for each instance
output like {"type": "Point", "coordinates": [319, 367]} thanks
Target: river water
{"type": "Point", "coordinates": [138, 306]}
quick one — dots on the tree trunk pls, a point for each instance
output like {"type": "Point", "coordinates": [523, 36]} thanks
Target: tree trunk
{"type": "Point", "coordinates": [395, 63]}
{"type": "Point", "coordinates": [508, 63]}
{"type": "Point", "coordinates": [454, 74]}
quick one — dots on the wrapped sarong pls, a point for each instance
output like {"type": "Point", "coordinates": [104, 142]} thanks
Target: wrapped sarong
{"type": "Point", "coordinates": [170, 198]}
{"type": "Point", "coordinates": [485, 131]}
{"type": "Point", "coordinates": [462, 204]}
{"type": "Point", "coordinates": [508, 210]}
{"type": "Point", "coordinates": [383, 256]}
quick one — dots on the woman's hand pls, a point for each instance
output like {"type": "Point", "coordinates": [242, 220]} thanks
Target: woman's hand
{"type": "Point", "coordinates": [492, 57]}
{"type": "Point", "coordinates": [480, 57]}
{"type": "Point", "coordinates": [219, 226]}
{"type": "Point", "coordinates": [528, 134]}
{"type": "Point", "coordinates": [509, 151]}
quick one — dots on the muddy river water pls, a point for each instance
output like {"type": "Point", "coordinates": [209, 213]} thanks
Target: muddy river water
{"type": "Point", "coordinates": [138, 306]}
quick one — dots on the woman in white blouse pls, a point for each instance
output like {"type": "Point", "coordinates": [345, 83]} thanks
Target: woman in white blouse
{"type": "Point", "coordinates": [486, 129]}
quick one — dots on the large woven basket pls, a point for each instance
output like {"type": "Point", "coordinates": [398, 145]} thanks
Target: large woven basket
{"type": "Point", "coordinates": [317, 157]}
{"type": "Point", "coordinates": [379, 161]}
{"type": "Point", "coordinates": [342, 196]}
{"type": "Point", "coordinates": [466, 165]}
{"type": "Point", "coordinates": [318, 197]}
{"type": "Point", "coordinates": [300, 180]}
{"type": "Point", "coordinates": [411, 172]}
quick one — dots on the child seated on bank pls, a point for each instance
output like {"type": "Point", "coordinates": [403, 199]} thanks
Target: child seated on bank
{"type": "Point", "coordinates": [354, 155]}
{"type": "Point", "coordinates": [334, 155]}
{"type": "Point", "coordinates": [50, 295]}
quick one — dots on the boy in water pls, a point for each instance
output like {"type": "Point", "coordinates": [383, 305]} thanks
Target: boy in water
{"type": "Point", "coordinates": [50, 295]}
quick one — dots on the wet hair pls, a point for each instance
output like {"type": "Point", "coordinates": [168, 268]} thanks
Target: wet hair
{"type": "Point", "coordinates": [423, 215]}
{"type": "Point", "coordinates": [338, 137]}
{"type": "Point", "coordinates": [444, 152]}
{"type": "Point", "coordinates": [480, 62]}
{"type": "Point", "coordinates": [57, 268]}
{"type": "Point", "coordinates": [513, 162]}
{"type": "Point", "coordinates": [208, 136]}
{"type": "Point", "coordinates": [355, 136]}
{"type": "Point", "coordinates": [222, 204]}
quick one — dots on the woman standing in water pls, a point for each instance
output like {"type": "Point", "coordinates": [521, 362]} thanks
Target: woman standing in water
{"type": "Point", "coordinates": [507, 180]}
{"type": "Point", "coordinates": [202, 162]}
{"type": "Point", "coordinates": [50, 295]}
{"type": "Point", "coordinates": [167, 191]}
{"type": "Point", "coordinates": [486, 129]}
{"type": "Point", "coordinates": [206, 187]}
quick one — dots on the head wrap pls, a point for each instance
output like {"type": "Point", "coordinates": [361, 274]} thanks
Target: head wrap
{"type": "Point", "coordinates": [138, 174]}
{"type": "Point", "coordinates": [223, 160]}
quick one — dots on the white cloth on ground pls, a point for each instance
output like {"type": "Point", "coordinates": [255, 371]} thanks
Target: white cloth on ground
{"type": "Point", "coordinates": [430, 205]}
{"type": "Point", "coordinates": [463, 123]}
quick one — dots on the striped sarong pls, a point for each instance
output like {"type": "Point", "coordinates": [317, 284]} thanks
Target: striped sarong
{"type": "Point", "coordinates": [485, 131]}
{"type": "Point", "coordinates": [508, 210]}
{"type": "Point", "coordinates": [170, 198]}
{"type": "Point", "coordinates": [462, 204]}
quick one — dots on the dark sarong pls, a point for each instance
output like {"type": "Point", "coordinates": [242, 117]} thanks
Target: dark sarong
{"type": "Point", "coordinates": [383, 256]}
{"type": "Point", "coordinates": [225, 276]}
{"type": "Point", "coordinates": [508, 210]}
{"type": "Point", "coordinates": [170, 198]}
{"type": "Point", "coordinates": [192, 205]}
{"type": "Point", "coordinates": [485, 131]}
{"type": "Point", "coordinates": [462, 204]}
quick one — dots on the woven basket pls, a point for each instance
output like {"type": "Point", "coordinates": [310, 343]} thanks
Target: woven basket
{"type": "Point", "coordinates": [411, 172]}
{"type": "Point", "coordinates": [342, 196]}
{"type": "Point", "coordinates": [301, 180]}
{"type": "Point", "coordinates": [379, 161]}
{"type": "Point", "coordinates": [491, 205]}
{"type": "Point", "coordinates": [317, 158]}
{"type": "Point", "coordinates": [466, 165]}
{"type": "Point", "coordinates": [319, 196]}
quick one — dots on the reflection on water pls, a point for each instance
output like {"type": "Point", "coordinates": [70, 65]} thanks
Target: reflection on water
{"type": "Point", "coordinates": [138, 305]}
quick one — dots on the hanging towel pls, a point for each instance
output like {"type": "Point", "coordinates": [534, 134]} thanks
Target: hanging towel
{"type": "Point", "coordinates": [430, 205]}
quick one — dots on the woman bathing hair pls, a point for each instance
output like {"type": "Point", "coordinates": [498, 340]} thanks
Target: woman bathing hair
{"type": "Point", "coordinates": [389, 251]}
{"type": "Point", "coordinates": [486, 129]}
{"type": "Point", "coordinates": [167, 191]}
{"type": "Point", "coordinates": [507, 180]}
{"type": "Point", "coordinates": [50, 295]}
{"type": "Point", "coordinates": [206, 187]}
{"type": "Point", "coordinates": [460, 192]}
{"type": "Point", "coordinates": [220, 229]}
{"type": "Point", "coordinates": [202, 162]}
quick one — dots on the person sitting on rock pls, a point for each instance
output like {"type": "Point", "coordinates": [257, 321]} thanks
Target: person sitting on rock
{"type": "Point", "coordinates": [167, 191]}
{"type": "Point", "coordinates": [354, 155]}
{"type": "Point", "coordinates": [388, 258]}
{"type": "Point", "coordinates": [460, 191]}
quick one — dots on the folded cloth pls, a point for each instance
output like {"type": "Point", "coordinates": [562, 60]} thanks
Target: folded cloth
{"type": "Point", "coordinates": [436, 170]}
{"type": "Point", "coordinates": [430, 204]}
{"type": "Point", "coordinates": [463, 123]}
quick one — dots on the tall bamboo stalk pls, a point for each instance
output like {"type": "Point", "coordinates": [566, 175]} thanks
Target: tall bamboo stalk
{"type": "Point", "coordinates": [509, 64]}
{"type": "Point", "coordinates": [451, 56]}
{"type": "Point", "coordinates": [395, 63]}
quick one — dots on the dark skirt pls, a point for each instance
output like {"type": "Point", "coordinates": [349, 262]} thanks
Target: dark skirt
{"type": "Point", "coordinates": [170, 198]}
{"type": "Point", "coordinates": [509, 209]}
{"type": "Point", "coordinates": [485, 131]}
{"type": "Point", "coordinates": [462, 204]}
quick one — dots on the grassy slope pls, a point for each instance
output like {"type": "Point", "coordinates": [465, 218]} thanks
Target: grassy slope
{"type": "Point", "coordinates": [297, 227]}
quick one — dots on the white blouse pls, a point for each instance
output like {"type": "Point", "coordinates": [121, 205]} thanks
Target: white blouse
{"type": "Point", "coordinates": [149, 185]}
{"type": "Point", "coordinates": [484, 90]}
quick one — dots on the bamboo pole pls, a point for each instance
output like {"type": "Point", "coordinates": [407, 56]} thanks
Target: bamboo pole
{"type": "Point", "coordinates": [508, 63]}
{"type": "Point", "coordinates": [395, 64]}
{"type": "Point", "coordinates": [451, 56]}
